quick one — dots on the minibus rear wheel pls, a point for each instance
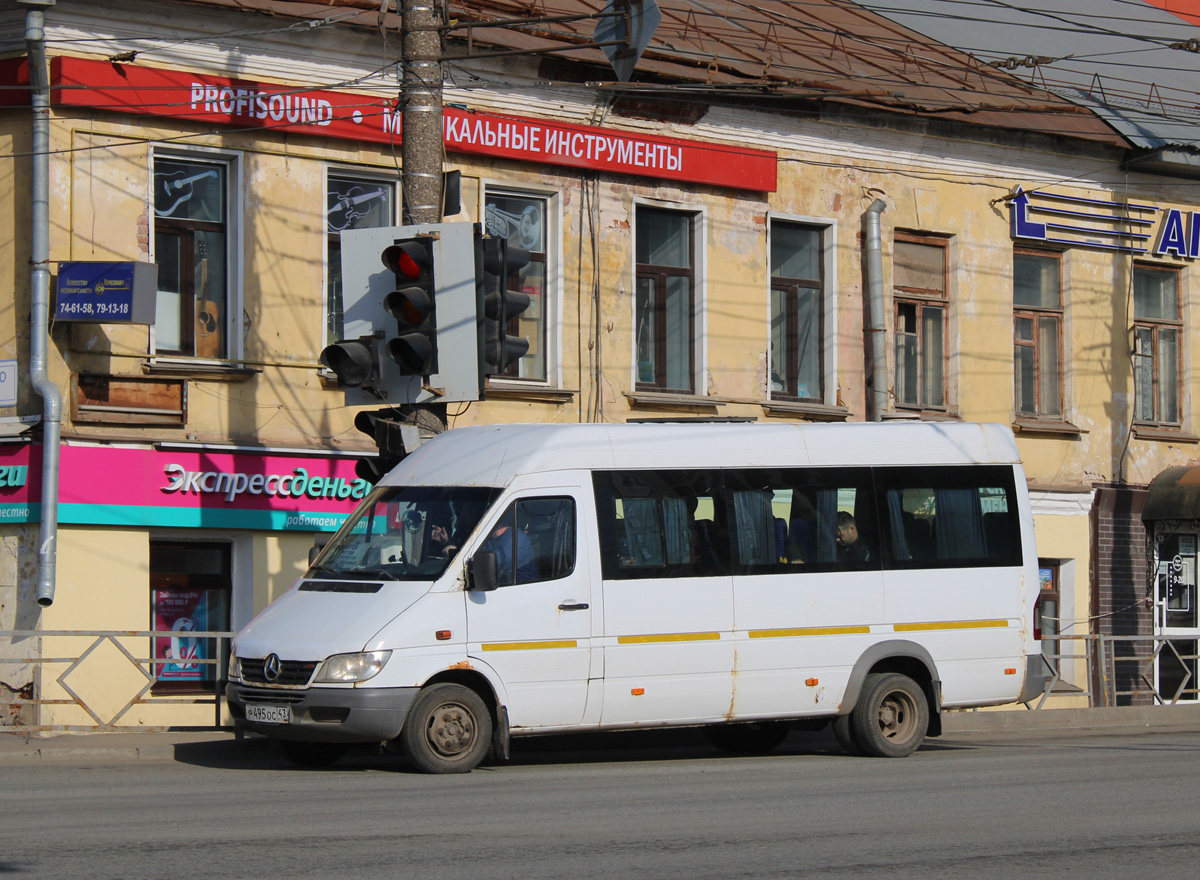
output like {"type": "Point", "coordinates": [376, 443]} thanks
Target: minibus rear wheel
{"type": "Point", "coordinates": [892, 715]}
{"type": "Point", "coordinates": [448, 729]}
{"type": "Point", "coordinates": [843, 732]}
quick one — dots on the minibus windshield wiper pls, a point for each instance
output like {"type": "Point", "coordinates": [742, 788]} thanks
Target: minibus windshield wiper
{"type": "Point", "coordinates": [377, 573]}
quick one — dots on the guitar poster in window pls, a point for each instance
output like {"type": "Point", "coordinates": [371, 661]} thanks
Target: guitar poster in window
{"type": "Point", "coordinates": [208, 312]}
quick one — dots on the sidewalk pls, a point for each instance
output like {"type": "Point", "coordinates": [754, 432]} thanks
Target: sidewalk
{"type": "Point", "coordinates": [168, 745]}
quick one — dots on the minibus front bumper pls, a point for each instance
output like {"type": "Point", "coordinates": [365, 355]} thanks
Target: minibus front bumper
{"type": "Point", "coordinates": [321, 714]}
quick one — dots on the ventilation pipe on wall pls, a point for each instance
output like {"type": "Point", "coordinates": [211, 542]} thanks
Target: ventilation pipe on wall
{"type": "Point", "coordinates": [877, 397]}
{"type": "Point", "coordinates": [39, 290]}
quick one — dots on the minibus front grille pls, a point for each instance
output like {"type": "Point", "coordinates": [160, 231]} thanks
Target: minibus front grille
{"type": "Point", "coordinates": [262, 695]}
{"type": "Point", "coordinates": [292, 673]}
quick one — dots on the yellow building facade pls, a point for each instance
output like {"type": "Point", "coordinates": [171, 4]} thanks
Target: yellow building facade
{"type": "Point", "coordinates": [1027, 279]}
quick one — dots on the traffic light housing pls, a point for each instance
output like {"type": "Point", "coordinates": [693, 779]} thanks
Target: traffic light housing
{"type": "Point", "coordinates": [396, 432]}
{"type": "Point", "coordinates": [356, 362]}
{"type": "Point", "coordinates": [452, 334]}
{"type": "Point", "coordinates": [495, 263]}
{"type": "Point", "coordinates": [383, 428]}
{"type": "Point", "coordinates": [413, 305]}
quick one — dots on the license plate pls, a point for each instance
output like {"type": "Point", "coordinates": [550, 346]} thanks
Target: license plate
{"type": "Point", "coordinates": [269, 714]}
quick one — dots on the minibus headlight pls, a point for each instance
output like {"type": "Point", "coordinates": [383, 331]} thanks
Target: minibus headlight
{"type": "Point", "coordinates": [352, 667]}
{"type": "Point", "coordinates": [234, 673]}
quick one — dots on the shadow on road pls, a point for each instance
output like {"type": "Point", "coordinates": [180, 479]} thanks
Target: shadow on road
{"type": "Point", "coordinates": [686, 744]}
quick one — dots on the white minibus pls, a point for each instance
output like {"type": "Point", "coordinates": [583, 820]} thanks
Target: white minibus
{"type": "Point", "coordinates": [516, 580]}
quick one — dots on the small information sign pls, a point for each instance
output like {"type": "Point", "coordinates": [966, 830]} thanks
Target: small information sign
{"type": "Point", "coordinates": [106, 293]}
{"type": "Point", "coordinates": [8, 383]}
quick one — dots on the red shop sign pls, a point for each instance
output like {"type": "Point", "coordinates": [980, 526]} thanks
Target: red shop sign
{"type": "Point", "coordinates": [246, 104]}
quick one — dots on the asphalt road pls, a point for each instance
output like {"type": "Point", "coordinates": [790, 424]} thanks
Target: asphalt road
{"type": "Point", "coordinates": [978, 806]}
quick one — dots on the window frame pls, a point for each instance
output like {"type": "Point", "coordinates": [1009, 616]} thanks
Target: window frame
{"type": "Point", "coordinates": [1155, 325]}
{"type": "Point", "coordinates": [658, 276]}
{"type": "Point", "coordinates": [356, 174]}
{"type": "Point", "coordinates": [1037, 314]}
{"type": "Point", "coordinates": [790, 288]}
{"type": "Point", "coordinates": [512, 512]}
{"type": "Point", "coordinates": [232, 228]}
{"type": "Point", "coordinates": [920, 299]}
{"type": "Point", "coordinates": [890, 478]}
{"type": "Point", "coordinates": [867, 485]}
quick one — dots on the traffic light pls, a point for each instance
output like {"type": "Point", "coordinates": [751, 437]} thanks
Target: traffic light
{"type": "Point", "coordinates": [413, 306]}
{"type": "Point", "coordinates": [496, 261]}
{"type": "Point", "coordinates": [382, 426]}
{"type": "Point", "coordinates": [397, 432]}
{"type": "Point", "coordinates": [356, 363]}
{"type": "Point", "coordinates": [414, 270]}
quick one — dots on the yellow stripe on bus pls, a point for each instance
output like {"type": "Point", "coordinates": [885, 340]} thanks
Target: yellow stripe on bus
{"type": "Point", "coordinates": [528, 646]}
{"type": "Point", "coordinates": [950, 624]}
{"type": "Point", "coordinates": [808, 630]}
{"type": "Point", "coordinates": [668, 637]}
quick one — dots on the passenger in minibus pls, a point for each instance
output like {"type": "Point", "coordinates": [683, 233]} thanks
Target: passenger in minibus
{"type": "Point", "coordinates": [501, 542]}
{"type": "Point", "coordinates": [850, 548]}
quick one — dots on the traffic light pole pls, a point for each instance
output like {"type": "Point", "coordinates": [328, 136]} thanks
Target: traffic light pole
{"type": "Point", "coordinates": [421, 111]}
{"type": "Point", "coordinates": [421, 146]}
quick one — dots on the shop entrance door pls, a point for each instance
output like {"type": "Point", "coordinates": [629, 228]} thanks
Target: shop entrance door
{"type": "Point", "coordinates": [1175, 618]}
{"type": "Point", "coordinates": [190, 586]}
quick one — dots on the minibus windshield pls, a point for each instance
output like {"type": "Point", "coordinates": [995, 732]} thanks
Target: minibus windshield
{"type": "Point", "coordinates": [404, 533]}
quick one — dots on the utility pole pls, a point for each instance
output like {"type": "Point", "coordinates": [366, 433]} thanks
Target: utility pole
{"type": "Point", "coordinates": [421, 111]}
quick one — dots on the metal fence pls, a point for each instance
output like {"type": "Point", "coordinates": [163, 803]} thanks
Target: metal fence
{"type": "Point", "coordinates": [37, 665]}
{"type": "Point", "coordinates": [1122, 670]}
{"type": "Point", "coordinates": [1107, 670]}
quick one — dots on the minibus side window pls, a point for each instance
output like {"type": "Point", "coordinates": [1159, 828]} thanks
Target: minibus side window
{"type": "Point", "coordinates": [950, 516]}
{"type": "Point", "coordinates": [534, 540]}
{"type": "Point", "coordinates": [661, 524]}
{"type": "Point", "coordinates": [788, 520]}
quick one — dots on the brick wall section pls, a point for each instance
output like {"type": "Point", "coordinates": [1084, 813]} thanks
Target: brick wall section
{"type": "Point", "coordinates": [1120, 575]}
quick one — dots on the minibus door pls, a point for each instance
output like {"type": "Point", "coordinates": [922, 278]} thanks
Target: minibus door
{"type": "Point", "coordinates": [535, 629]}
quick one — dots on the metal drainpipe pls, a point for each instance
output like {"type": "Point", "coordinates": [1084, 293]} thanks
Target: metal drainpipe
{"type": "Point", "coordinates": [877, 399]}
{"type": "Point", "coordinates": [39, 260]}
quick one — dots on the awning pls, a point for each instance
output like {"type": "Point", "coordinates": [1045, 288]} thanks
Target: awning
{"type": "Point", "coordinates": [1174, 494]}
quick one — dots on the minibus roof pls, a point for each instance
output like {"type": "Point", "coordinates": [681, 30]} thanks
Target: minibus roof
{"type": "Point", "coordinates": [493, 455]}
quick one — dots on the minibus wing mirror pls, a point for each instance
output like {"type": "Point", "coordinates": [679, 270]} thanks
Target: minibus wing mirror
{"type": "Point", "coordinates": [483, 574]}
{"type": "Point", "coordinates": [315, 550]}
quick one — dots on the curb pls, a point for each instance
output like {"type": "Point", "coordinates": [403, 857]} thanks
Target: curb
{"type": "Point", "coordinates": [1073, 720]}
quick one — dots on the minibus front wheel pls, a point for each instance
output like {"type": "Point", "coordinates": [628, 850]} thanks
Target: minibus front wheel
{"type": "Point", "coordinates": [891, 717]}
{"type": "Point", "coordinates": [447, 730]}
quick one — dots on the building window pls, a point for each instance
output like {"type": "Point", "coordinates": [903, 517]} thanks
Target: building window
{"type": "Point", "coordinates": [191, 247]}
{"type": "Point", "coordinates": [190, 586]}
{"type": "Point", "coordinates": [797, 286]}
{"type": "Point", "coordinates": [521, 219]}
{"type": "Point", "coordinates": [1157, 330]}
{"type": "Point", "coordinates": [664, 311]}
{"type": "Point", "coordinates": [919, 282]}
{"type": "Point", "coordinates": [1037, 334]}
{"type": "Point", "coordinates": [352, 202]}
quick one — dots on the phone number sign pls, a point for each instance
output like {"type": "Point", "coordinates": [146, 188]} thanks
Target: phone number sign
{"type": "Point", "coordinates": [106, 293]}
